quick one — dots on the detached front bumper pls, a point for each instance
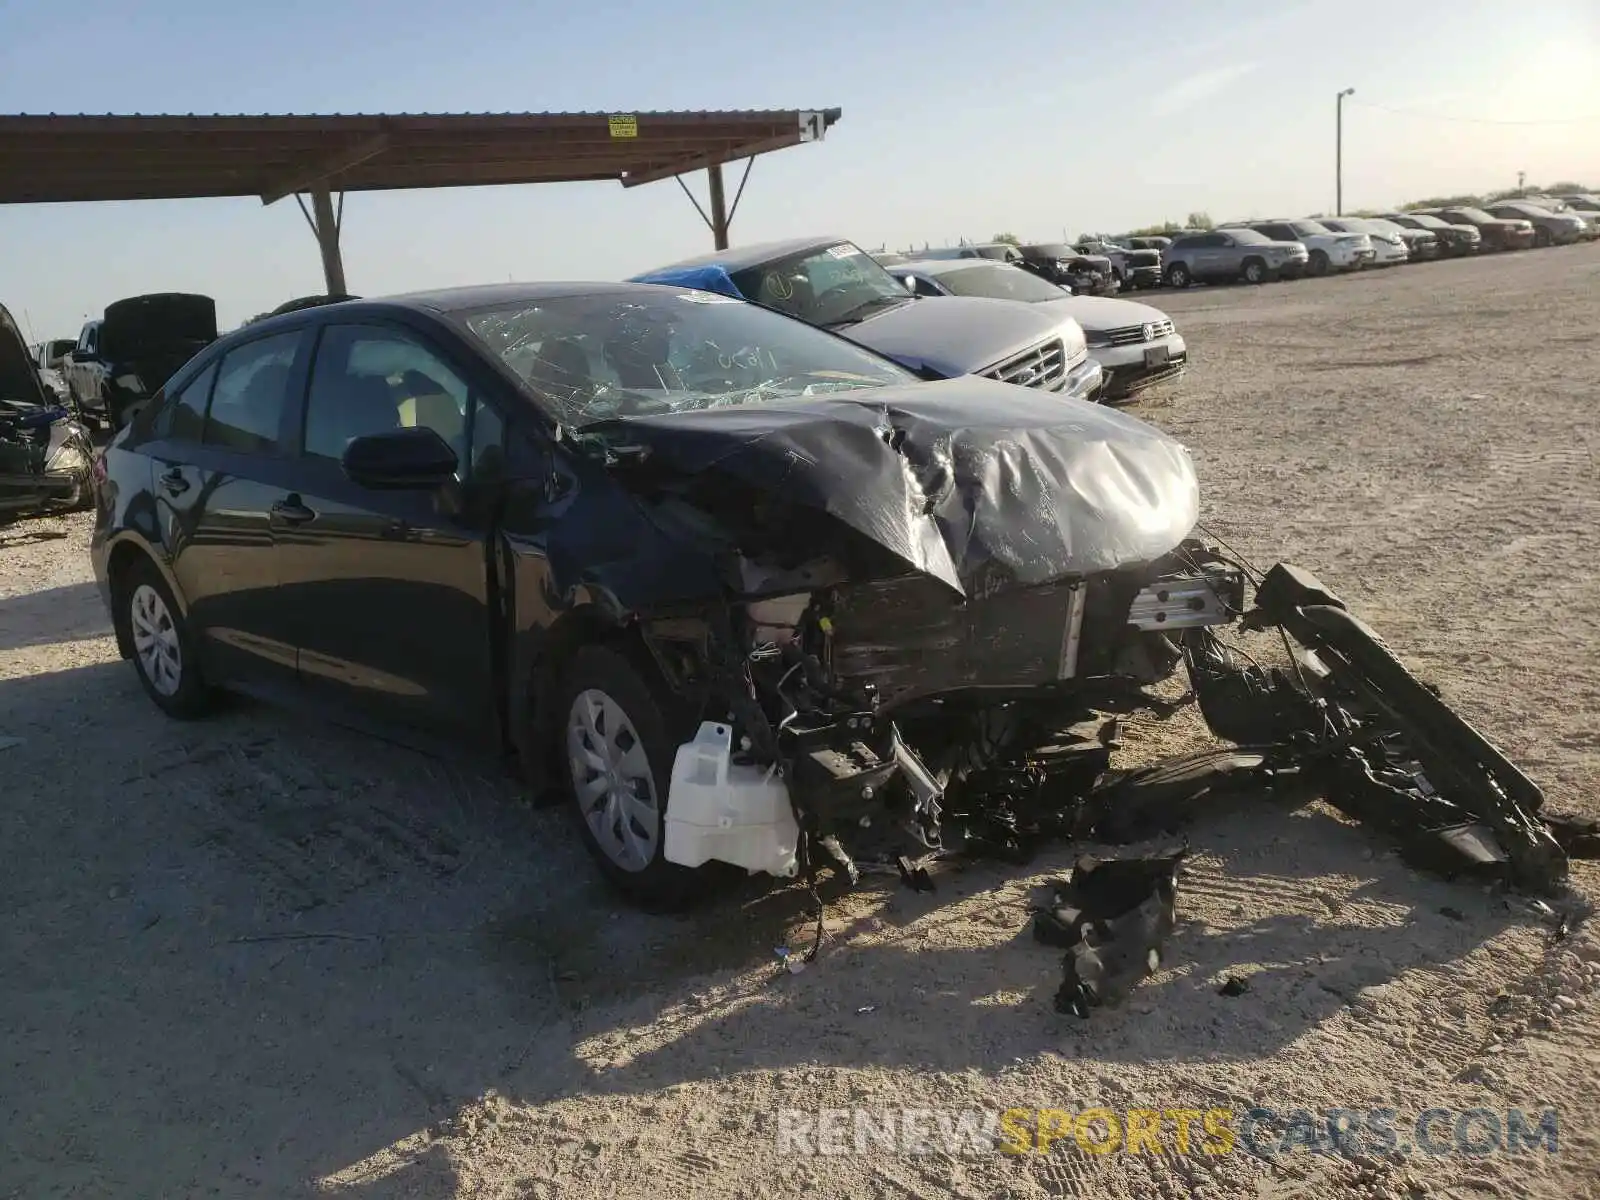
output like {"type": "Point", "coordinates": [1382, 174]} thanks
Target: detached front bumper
{"type": "Point", "coordinates": [1131, 369]}
{"type": "Point", "coordinates": [1145, 276]}
{"type": "Point", "coordinates": [1388, 255]}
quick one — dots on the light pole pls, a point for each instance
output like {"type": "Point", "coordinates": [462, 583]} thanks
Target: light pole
{"type": "Point", "coordinates": [1338, 151]}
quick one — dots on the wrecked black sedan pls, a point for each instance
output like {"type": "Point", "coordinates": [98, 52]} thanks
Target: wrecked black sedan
{"type": "Point", "coordinates": [45, 452]}
{"type": "Point", "coordinates": [744, 592]}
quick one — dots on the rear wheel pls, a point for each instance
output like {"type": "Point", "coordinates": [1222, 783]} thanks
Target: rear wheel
{"type": "Point", "coordinates": [618, 743]}
{"type": "Point", "coordinates": [163, 646]}
{"type": "Point", "coordinates": [1178, 276]}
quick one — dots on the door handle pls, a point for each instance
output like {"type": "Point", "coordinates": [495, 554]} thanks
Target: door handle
{"type": "Point", "coordinates": [173, 482]}
{"type": "Point", "coordinates": [291, 511]}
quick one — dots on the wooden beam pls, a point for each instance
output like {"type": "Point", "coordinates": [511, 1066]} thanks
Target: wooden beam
{"type": "Point", "coordinates": [334, 164]}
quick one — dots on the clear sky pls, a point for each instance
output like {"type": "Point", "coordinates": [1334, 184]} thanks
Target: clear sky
{"type": "Point", "coordinates": [1031, 116]}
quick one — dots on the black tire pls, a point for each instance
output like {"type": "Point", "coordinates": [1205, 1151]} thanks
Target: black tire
{"type": "Point", "coordinates": [660, 886]}
{"type": "Point", "coordinates": [1178, 276]}
{"type": "Point", "coordinates": [1254, 271]}
{"type": "Point", "coordinates": [1318, 264]}
{"type": "Point", "coordinates": [1541, 237]}
{"type": "Point", "coordinates": [190, 697]}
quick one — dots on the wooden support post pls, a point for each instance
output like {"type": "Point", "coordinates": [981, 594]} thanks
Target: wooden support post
{"type": "Point", "coordinates": [327, 230]}
{"type": "Point", "coordinates": [719, 208]}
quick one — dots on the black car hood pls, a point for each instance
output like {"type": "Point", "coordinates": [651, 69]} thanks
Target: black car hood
{"type": "Point", "coordinates": [955, 477]}
{"type": "Point", "coordinates": [19, 377]}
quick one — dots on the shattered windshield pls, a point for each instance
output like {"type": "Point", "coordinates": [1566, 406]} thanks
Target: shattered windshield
{"type": "Point", "coordinates": [829, 286]}
{"type": "Point", "coordinates": [588, 358]}
{"type": "Point", "coordinates": [999, 281]}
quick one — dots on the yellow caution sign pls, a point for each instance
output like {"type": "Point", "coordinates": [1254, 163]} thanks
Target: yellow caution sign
{"type": "Point", "coordinates": [624, 125]}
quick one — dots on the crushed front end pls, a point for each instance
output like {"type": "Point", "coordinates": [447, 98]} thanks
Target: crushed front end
{"type": "Point", "coordinates": [907, 721]}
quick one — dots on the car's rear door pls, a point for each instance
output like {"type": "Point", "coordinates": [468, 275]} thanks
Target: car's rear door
{"type": "Point", "coordinates": [219, 463]}
{"type": "Point", "coordinates": [389, 590]}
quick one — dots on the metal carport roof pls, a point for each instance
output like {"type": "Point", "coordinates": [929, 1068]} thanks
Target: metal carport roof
{"type": "Point", "coordinates": [51, 158]}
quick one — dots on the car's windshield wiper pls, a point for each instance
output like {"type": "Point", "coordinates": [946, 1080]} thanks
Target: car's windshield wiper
{"type": "Point", "coordinates": [851, 315]}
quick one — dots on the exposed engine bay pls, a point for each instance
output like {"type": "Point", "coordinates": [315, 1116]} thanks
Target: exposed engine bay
{"type": "Point", "coordinates": [903, 723]}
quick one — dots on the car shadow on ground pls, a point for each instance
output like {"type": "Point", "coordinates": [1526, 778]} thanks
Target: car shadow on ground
{"type": "Point", "coordinates": [275, 948]}
{"type": "Point", "coordinates": [72, 613]}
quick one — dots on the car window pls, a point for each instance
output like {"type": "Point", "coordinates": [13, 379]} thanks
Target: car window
{"type": "Point", "coordinates": [247, 402]}
{"type": "Point", "coordinates": [186, 410]}
{"type": "Point", "coordinates": [1216, 239]}
{"type": "Point", "coordinates": [369, 380]}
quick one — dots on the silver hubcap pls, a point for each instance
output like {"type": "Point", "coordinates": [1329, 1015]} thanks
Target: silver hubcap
{"type": "Point", "coordinates": [612, 781]}
{"type": "Point", "coordinates": [155, 640]}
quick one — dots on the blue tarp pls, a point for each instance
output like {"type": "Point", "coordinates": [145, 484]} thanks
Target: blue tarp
{"type": "Point", "coordinates": [702, 279]}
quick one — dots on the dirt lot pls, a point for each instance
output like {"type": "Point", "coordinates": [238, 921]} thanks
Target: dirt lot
{"type": "Point", "coordinates": [261, 956]}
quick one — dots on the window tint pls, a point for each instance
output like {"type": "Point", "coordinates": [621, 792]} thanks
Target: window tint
{"type": "Point", "coordinates": [368, 380]}
{"type": "Point", "coordinates": [248, 399]}
{"type": "Point", "coordinates": [186, 411]}
{"type": "Point", "coordinates": [1215, 239]}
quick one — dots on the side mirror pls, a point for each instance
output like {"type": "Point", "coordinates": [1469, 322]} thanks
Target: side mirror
{"type": "Point", "coordinates": [910, 282]}
{"type": "Point", "coordinates": [400, 460]}
{"type": "Point", "coordinates": [77, 355]}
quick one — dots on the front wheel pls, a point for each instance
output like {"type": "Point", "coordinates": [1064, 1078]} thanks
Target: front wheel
{"type": "Point", "coordinates": [1255, 271]}
{"type": "Point", "coordinates": [618, 745]}
{"type": "Point", "coordinates": [1318, 264]}
{"type": "Point", "coordinates": [1178, 276]}
{"type": "Point", "coordinates": [1541, 238]}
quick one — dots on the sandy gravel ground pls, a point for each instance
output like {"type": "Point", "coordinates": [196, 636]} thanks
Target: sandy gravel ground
{"type": "Point", "coordinates": [259, 956]}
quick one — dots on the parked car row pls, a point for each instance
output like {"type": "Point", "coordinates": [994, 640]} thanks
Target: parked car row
{"type": "Point", "coordinates": [1260, 250]}
{"type": "Point", "coordinates": [1005, 316]}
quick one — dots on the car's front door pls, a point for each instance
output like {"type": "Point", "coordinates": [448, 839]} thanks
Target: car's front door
{"type": "Point", "coordinates": [1208, 255]}
{"type": "Point", "coordinates": [218, 466]}
{"type": "Point", "coordinates": [390, 590]}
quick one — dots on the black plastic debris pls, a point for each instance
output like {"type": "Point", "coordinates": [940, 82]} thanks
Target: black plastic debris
{"type": "Point", "coordinates": [1112, 916]}
{"type": "Point", "coordinates": [914, 876]}
{"type": "Point", "coordinates": [1234, 985]}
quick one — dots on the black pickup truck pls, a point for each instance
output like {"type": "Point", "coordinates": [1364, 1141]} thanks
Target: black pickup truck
{"type": "Point", "coordinates": [124, 357]}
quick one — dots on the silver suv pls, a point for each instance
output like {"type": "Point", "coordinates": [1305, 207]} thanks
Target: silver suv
{"type": "Point", "coordinates": [1223, 255]}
